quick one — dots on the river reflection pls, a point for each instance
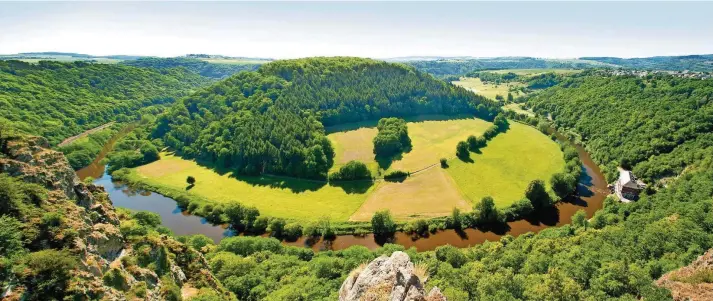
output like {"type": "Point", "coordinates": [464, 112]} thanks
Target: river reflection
{"type": "Point", "coordinates": [592, 189]}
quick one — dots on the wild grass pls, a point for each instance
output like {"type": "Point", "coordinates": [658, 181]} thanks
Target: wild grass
{"type": "Point", "coordinates": [488, 90]}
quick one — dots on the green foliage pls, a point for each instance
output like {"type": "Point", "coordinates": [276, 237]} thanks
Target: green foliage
{"type": "Point", "coordinates": [657, 125]}
{"type": "Point", "coordinates": [114, 278]}
{"type": "Point", "coordinates": [57, 100]}
{"type": "Point", "coordinates": [82, 152]}
{"type": "Point", "coordinates": [382, 224]}
{"type": "Point", "coordinates": [191, 180]}
{"type": "Point", "coordinates": [10, 236]}
{"type": "Point", "coordinates": [579, 219]}
{"type": "Point", "coordinates": [353, 170]}
{"type": "Point", "coordinates": [396, 175]}
{"type": "Point", "coordinates": [444, 162]}
{"type": "Point", "coordinates": [46, 273]}
{"type": "Point", "coordinates": [486, 212]}
{"type": "Point", "coordinates": [169, 290]}
{"type": "Point", "coordinates": [537, 194]}
{"type": "Point", "coordinates": [147, 218]}
{"type": "Point", "coordinates": [272, 120]}
{"type": "Point", "coordinates": [207, 69]}
{"type": "Point", "coordinates": [462, 150]}
{"type": "Point", "coordinates": [563, 184]}
{"type": "Point", "coordinates": [392, 137]}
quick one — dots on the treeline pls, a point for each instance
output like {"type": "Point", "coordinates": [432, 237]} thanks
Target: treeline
{"type": "Point", "coordinates": [81, 153]}
{"type": "Point", "coordinates": [532, 82]}
{"type": "Point", "coordinates": [207, 69]}
{"type": "Point", "coordinates": [58, 100]}
{"type": "Point", "coordinates": [657, 125]}
{"type": "Point", "coordinates": [135, 148]}
{"type": "Point", "coordinates": [272, 120]}
{"type": "Point", "coordinates": [459, 67]}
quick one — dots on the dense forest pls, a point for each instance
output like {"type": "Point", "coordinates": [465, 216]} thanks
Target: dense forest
{"type": "Point", "coordinates": [211, 70]}
{"type": "Point", "coordinates": [702, 63]}
{"type": "Point", "coordinates": [656, 125]}
{"type": "Point", "coordinates": [272, 120]}
{"type": "Point", "coordinates": [58, 100]}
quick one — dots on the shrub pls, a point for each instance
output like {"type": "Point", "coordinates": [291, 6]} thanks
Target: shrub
{"type": "Point", "coordinates": [277, 226]}
{"type": "Point", "coordinates": [518, 210]}
{"type": "Point", "coordinates": [382, 224]}
{"type": "Point", "coordinates": [146, 218]}
{"type": "Point", "coordinates": [462, 150]}
{"type": "Point", "coordinates": [293, 231]}
{"type": "Point", "coordinates": [419, 226]}
{"type": "Point", "coordinates": [353, 170]}
{"type": "Point", "coordinates": [191, 180]}
{"type": "Point", "coordinates": [444, 163]}
{"type": "Point", "coordinates": [47, 273]}
{"type": "Point", "coordinates": [396, 175]}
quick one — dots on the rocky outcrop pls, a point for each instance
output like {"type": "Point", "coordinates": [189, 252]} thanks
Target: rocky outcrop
{"type": "Point", "coordinates": [388, 278]}
{"type": "Point", "coordinates": [90, 229]}
{"type": "Point", "coordinates": [693, 282]}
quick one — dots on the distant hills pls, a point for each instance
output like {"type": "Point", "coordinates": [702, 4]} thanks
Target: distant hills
{"type": "Point", "coordinates": [213, 65]}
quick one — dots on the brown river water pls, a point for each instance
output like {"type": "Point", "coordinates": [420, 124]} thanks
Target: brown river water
{"type": "Point", "coordinates": [592, 190]}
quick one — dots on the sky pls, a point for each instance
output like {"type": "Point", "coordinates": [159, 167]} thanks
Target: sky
{"type": "Point", "coordinates": [366, 29]}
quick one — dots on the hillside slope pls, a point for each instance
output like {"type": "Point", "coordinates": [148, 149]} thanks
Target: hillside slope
{"type": "Point", "coordinates": [272, 120]}
{"type": "Point", "coordinates": [58, 100]}
{"type": "Point", "coordinates": [657, 125]}
{"type": "Point", "coordinates": [62, 238]}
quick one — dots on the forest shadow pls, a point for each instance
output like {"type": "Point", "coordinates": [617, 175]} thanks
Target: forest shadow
{"type": "Point", "coordinates": [353, 187]}
{"type": "Point", "coordinates": [549, 216]}
{"type": "Point", "coordinates": [386, 161]}
{"type": "Point", "coordinates": [384, 239]}
{"type": "Point", "coordinates": [497, 228]}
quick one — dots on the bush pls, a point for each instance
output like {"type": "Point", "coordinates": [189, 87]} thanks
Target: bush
{"type": "Point", "coordinates": [353, 170]}
{"type": "Point", "coordinates": [444, 163]}
{"type": "Point", "coordinates": [191, 180]}
{"type": "Point", "coordinates": [146, 218]}
{"type": "Point", "coordinates": [47, 273]}
{"type": "Point", "coordinates": [382, 224]}
{"type": "Point", "coordinates": [518, 210]}
{"type": "Point", "coordinates": [419, 227]}
{"type": "Point", "coordinates": [396, 175]}
{"type": "Point", "coordinates": [293, 231]}
{"type": "Point", "coordinates": [462, 150]}
{"type": "Point", "coordinates": [277, 226]}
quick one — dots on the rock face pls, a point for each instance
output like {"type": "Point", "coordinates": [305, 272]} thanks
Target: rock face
{"type": "Point", "coordinates": [98, 244]}
{"type": "Point", "coordinates": [387, 278]}
{"type": "Point", "coordinates": [690, 282]}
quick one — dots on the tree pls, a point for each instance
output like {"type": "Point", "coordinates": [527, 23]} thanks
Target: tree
{"type": "Point", "coordinates": [382, 224]}
{"type": "Point", "coordinates": [579, 219]}
{"type": "Point", "coordinates": [191, 180]}
{"type": "Point", "coordinates": [537, 194]}
{"type": "Point", "coordinates": [353, 170]}
{"type": "Point", "coordinates": [277, 227]}
{"type": "Point", "coordinates": [563, 184]}
{"type": "Point", "coordinates": [455, 221]}
{"type": "Point", "coordinates": [510, 98]}
{"type": "Point", "coordinates": [485, 210]}
{"type": "Point", "coordinates": [462, 150]}
{"type": "Point", "coordinates": [444, 163]}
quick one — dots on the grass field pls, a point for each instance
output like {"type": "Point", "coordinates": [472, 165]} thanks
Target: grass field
{"type": "Point", "coordinates": [487, 90]}
{"type": "Point", "coordinates": [507, 165]}
{"type": "Point", "coordinates": [503, 170]}
{"type": "Point", "coordinates": [430, 193]}
{"type": "Point", "coordinates": [288, 198]}
{"type": "Point", "coordinates": [431, 140]}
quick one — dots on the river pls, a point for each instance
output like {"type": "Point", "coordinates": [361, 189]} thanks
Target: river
{"type": "Point", "coordinates": [592, 190]}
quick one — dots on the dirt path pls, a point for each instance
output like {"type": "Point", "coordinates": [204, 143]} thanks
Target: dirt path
{"type": "Point", "coordinates": [87, 132]}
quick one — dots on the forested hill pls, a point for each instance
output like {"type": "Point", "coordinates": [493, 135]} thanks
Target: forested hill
{"type": "Point", "coordinates": [58, 100]}
{"type": "Point", "coordinates": [272, 120]}
{"type": "Point", "coordinates": [703, 63]}
{"type": "Point", "coordinates": [212, 70]}
{"type": "Point", "coordinates": [658, 125]}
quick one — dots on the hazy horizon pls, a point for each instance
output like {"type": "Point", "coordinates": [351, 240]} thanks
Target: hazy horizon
{"type": "Point", "coordinates": [366, 29]}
